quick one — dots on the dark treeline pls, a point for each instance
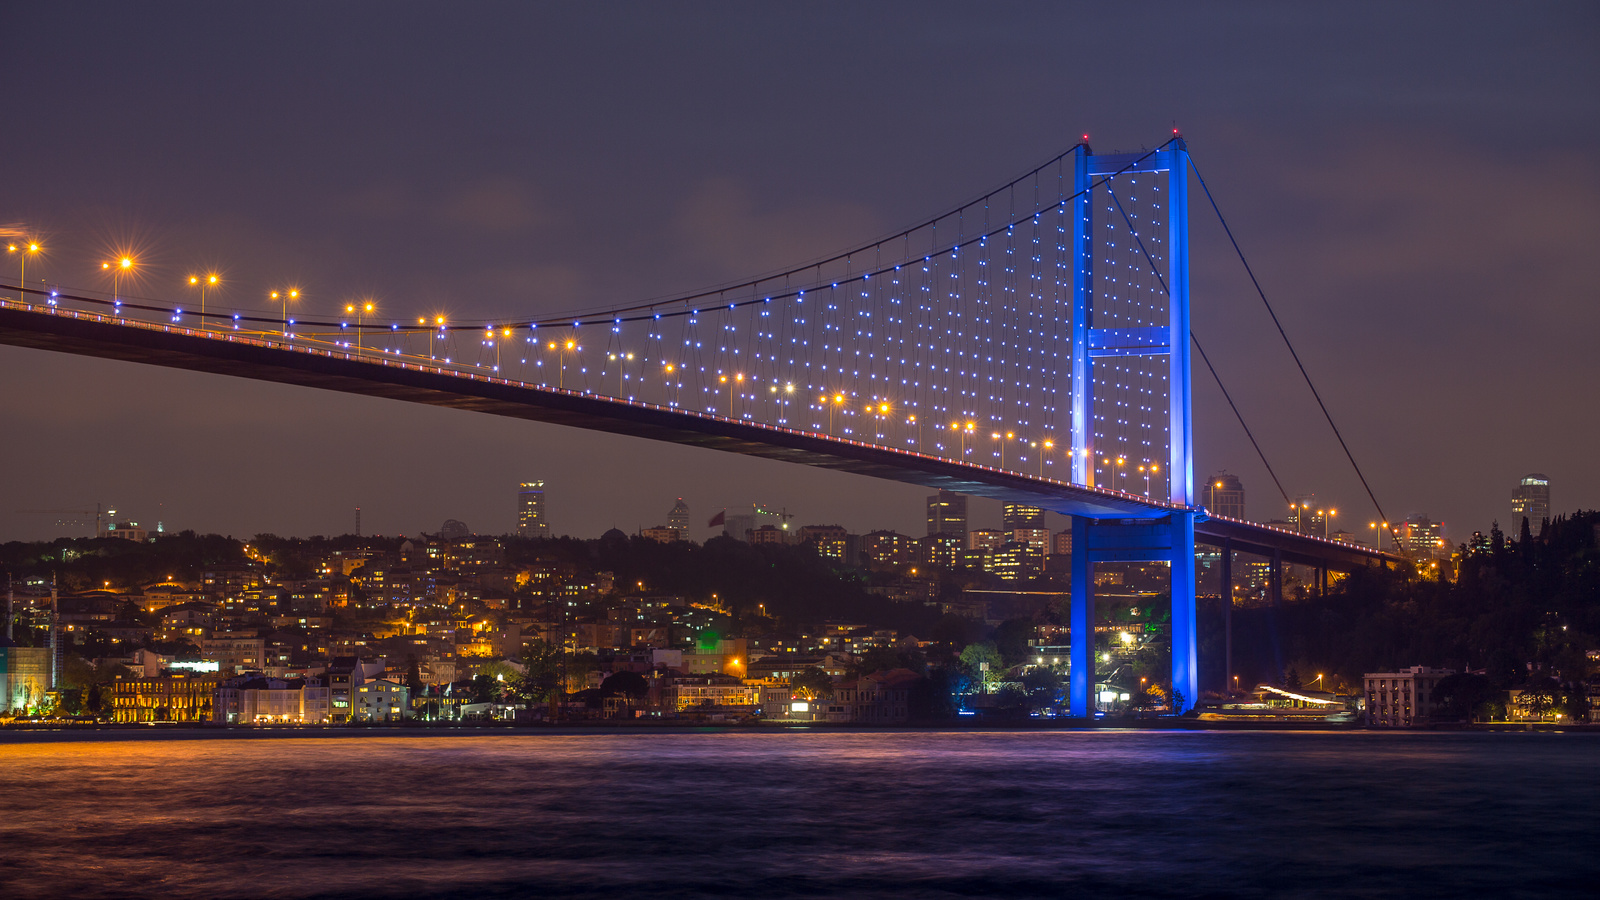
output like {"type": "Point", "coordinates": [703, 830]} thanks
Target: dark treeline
{"type": "Point", "coordinates": [1523, 612]}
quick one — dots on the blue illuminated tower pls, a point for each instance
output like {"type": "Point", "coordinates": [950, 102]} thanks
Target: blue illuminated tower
{"type": "Point", "coordinates": [1170, 538]}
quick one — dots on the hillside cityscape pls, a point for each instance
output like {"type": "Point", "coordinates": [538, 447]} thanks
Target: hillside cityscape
{"type": "Point", "coordinates": [769, 621]}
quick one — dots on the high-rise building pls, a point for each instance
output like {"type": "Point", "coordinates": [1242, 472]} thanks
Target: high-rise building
{"type": "Point", "coordinates": [1223, 495]}
{"type": "Point", "coordinates": [1020, 515]}
{"type": "Point", "coordinates": [1530, 500]}
{"type": "Point", "coordinates": [947, 513]}
{"type": "Point", "coordinates": [530, 510]}
{"type": "Point", "coordinates": [1422, 538]}
{"type": "Point", "coordinates": [678, 519]}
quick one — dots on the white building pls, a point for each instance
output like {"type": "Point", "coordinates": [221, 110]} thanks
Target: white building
{"type": "Point", "coordinates": [272, 701]}
{"type": "Point", "coordinates": [381, 701]}
{"type": "Point", "coordinates": [1402, 699]}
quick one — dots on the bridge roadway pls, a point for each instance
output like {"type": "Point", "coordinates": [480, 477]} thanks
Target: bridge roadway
{"type": "Point", "coordinates": [374, 374]}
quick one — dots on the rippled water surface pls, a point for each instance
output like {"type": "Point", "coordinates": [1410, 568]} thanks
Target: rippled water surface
{"type": "Point", "coordinates": [753, 815]}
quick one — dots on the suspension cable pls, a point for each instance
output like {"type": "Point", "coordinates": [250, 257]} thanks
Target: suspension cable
{"type": "Point", "coordinates": [1394, 535]}
{"type": "Point", "coordinates": [1218, 378]}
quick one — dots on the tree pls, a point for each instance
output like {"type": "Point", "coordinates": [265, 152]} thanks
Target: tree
{"type": "Point", "coordinates": [811, 683]}
{"type": "Point", "coordinates": [1540, 697]}
{"type": "Point", "coordinates": [485, 689]}
{"type": "Point", "coordinates": [1011, 639]}
{"type": "Point", "coordinates": [414, 678]}
{"type": "Point", "coordinates": [1464, 696]}
{"type": "Point", "coordinates": [543, 672]}
{"type": "Point", "coordinates": [625, 684]}
{"type": "Point", "coordinates": [984, 661]}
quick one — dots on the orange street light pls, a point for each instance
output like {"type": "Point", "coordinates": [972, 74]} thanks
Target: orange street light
{"type": "Point", "coordinates": [204, 282]}
{"type": "Point", "coordinates": [22, 251]}
{"type": "Point", "coordinates": [285, 296]}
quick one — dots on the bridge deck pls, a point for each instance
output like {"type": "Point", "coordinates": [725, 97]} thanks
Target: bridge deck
{"type": "Point", "coordinates": [374, 375]}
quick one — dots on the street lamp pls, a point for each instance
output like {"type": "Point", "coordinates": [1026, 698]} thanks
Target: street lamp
{"type": "Point", "coordinates": [360, 310]}
{"type": "Point", "coordinates": [1045, 446]}
{"type": "Point", "coordinates": [285, 296]}
{"type": "Point", "coordinates": [22, 252]}
{"type": "Point", "coordinates": [203, 282]}
{"type": "Point", "coordinates": [118, 267]}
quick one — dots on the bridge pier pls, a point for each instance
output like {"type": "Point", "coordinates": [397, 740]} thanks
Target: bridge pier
{"type": "Point", "coordinates": [1275, 579]}
{"type": "Point", "coordinates": [1227, 613]}
{"type": "Point", "coordinates": [1170, 540]}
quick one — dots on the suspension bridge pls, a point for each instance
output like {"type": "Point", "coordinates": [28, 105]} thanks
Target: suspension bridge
{"type": "Point", "coordinates": [1032, 346]}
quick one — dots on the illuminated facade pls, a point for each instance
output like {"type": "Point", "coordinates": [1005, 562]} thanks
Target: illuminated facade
{"type": "Point", "coordinates": [24, 677]}
{"type": "Point", "coordinates": [1530, 500]}
{"type": "Point", "coordinates": [174, 697]}
{"type": "Point", "coordinates": [1020, 515]}
{"type": "Point", "coordinates": [1402, 699]}
{"type": "Point", "coordinates": [530, 510]}
{"type": "Point", "coordinates": [272, 701]}
{"type": "Point", "coordinates": [1422, 538]}
{"type": "Point", "coordinates": [380, 701]}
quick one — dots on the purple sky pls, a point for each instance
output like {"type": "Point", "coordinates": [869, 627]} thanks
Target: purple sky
{"type": "Point", "coordinates": [1416, 189]}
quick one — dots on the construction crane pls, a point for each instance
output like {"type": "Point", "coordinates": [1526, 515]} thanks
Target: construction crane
{"type": "Point", "coordinates": [783, 517]}
{"type": "Point", "coordinates": [96, 513]}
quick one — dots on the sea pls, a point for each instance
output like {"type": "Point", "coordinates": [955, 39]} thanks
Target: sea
{"type": "Point", "coordinates": [777, 814]}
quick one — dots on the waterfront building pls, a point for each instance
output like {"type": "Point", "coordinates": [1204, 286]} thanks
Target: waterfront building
{"type": "Point", "coordinates": [253, 700]}
{"type": "Point", "coordinates": [1530, 500]}
{"type": "Point", "coordinates": [531, 521]}
{"type": "Point", "coordinates": [947, 513]}
{"type": "Point", "coordinates": [170, 697]}
{"type": "Point", "coordinates": [24, 677]}
{"type": "Point", "coordinates": [381, 700]}
{"type": "Point", "coordinates": [1223, 495]}
{"type": "Point", "coordinates": [1402, 699]}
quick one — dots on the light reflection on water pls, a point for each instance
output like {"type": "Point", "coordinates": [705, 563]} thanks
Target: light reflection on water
{"type": "Point", "coordinates": [926, 814]}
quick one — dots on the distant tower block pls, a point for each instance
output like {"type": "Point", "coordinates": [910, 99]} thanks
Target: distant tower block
{"type": "Point", "coordinates": [1530, 500]}
{"type": "Point", "coordinates": [530, 510]}
{"type": "Point", "coordinates": [1224, 496]}
{"type": "Point", "coordinates": [947, 513]}
{"type": "Point", "coordinates": [678, 519]}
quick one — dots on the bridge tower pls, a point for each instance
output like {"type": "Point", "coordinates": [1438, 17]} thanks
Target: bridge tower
{"type": "Point", "coordinates": [1171, 538]}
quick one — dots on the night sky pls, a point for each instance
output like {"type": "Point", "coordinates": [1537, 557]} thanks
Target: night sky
{"type": "Point", "coordinates": [1416, 188]}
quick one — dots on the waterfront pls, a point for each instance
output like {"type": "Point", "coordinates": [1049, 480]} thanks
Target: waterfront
{"type": "Point", "coordinates": [914, 813]}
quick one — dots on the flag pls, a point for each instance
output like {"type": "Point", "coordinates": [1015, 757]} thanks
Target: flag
{"type": "Point", "coordinates": [718, 519]}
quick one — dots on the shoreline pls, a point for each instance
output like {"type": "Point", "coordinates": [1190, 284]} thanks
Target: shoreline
{"type": "Point", "coordinates": [110, 733]}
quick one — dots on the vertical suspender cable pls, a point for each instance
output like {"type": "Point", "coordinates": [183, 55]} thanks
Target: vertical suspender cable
{"type": "Point", "coordinates": [1393, 534]}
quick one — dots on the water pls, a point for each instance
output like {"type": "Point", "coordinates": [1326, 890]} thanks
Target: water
{"type": "Point", "coordinates": [757, 815]}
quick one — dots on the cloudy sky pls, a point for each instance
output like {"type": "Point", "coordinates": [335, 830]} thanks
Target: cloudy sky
{"type": "Point", "coordinates": [1415, 185]}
